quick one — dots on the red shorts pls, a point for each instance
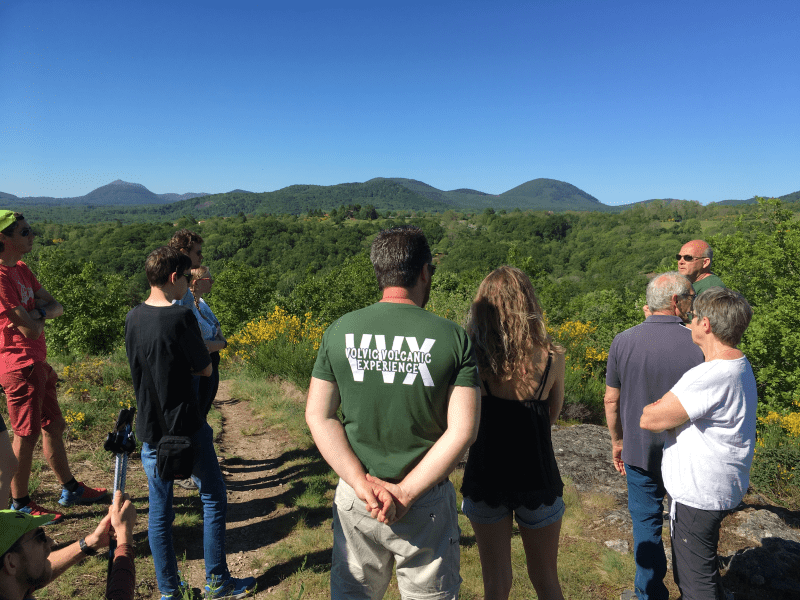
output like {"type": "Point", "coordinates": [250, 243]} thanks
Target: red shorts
{"type": "Point", "coordinates": [32, 398]}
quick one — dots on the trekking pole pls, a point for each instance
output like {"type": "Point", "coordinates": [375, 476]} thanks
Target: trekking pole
{"type": "Point", "coordinates": [120, 442]}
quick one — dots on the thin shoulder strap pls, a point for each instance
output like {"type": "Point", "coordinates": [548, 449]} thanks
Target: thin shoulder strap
{"type": "Point", "coordinates": [544, 376]}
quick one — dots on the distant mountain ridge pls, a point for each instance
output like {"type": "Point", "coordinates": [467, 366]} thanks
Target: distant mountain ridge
{"type": "Point", "coordinates": [116, 193]}
{"type": "Point", "coordinates": [381, 193]}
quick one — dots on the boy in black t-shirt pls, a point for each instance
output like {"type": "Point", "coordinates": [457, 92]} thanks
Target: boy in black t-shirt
{"type": "Point", "coordinates": [165, 349]}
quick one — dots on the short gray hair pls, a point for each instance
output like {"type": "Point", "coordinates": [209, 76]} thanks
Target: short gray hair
{"type": "Point", "coordinates": [727, 311]}
{"type": "Point", "coordinates": [662, 287]}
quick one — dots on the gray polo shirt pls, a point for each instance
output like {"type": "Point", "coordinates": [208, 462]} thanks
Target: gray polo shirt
{"type": "Point", "coordinates": [644, 362]}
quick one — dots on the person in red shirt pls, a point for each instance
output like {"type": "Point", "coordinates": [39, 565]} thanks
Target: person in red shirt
{"type": "Point", "coordinates": [27, 380]}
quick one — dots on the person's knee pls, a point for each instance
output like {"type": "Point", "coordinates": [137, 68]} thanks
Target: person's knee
{"type": "Point", "coordinates": [55, 428]}
{"type": "Point", "coordinates": [497, 585]}
{"type": "Point", "coordinates": [25, 443]}
{"type": "Point", "coordinates": [8, 462]}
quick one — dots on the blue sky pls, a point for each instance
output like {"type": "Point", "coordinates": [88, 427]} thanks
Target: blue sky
{"type": "Point", "coordinates": [627, 100]}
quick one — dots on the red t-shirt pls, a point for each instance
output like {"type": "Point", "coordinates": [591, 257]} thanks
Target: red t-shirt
{"type": "Point", "coordinates": [17, 288]}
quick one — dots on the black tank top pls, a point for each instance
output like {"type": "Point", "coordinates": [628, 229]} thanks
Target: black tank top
{"type": "Point", "coordinates": [511, 462]}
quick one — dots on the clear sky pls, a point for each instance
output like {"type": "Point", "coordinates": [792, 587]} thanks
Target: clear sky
{"type": "Point", "coordinates": [626, 99]}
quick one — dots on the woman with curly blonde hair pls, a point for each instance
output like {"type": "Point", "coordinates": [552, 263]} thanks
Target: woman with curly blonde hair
{"type": "Point", "coordinates": [511, 467]}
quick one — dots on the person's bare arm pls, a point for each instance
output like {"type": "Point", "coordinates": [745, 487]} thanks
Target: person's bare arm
{"type": "Point", "coordinates": [52, 307]}
{"type": "Point", "coordinates": [205, 372]}
{"type": "Point", "coordinates": [30, 323]}
{"type": "Point", "coordinates": [63, 559]}
{"type": "Point", "coordinates": [611, 402]}
{"type": "Point", "coordinates": [215, 345]}
{"type": "Point", "coordinates": [665, 413]}
{"type": "Point", "coordinates": [28, 326]}
{"type": "Point", "coordinates": [463, 416]}
{"type": "Point", "coordinates": [329, 436]}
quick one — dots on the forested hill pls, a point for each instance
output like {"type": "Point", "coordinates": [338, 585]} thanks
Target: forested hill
{"type": "Point", "coordinates": [116, 193]}
{"type": "Point", "coordinates": [132, 202]}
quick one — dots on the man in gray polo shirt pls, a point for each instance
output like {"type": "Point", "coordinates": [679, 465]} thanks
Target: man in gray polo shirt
{"type": "Point", "coordinates": [644, 362]}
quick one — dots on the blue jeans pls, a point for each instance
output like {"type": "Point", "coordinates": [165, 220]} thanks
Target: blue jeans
{"type": "Point", "coordinates": [645, 496]}
{"type": "Point", "coordinates": [214, 496]}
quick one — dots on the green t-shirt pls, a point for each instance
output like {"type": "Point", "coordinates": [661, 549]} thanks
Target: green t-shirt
{"type": "Point", "coordinates": [393, 364]}
{"type": "Point", "coordinates": [707, 282]}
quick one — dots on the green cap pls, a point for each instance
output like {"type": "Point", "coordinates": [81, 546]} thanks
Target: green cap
{"type": "Point", "coordinates": [15, 524]}
{"type": "Point", "coordinates": [6, 218]}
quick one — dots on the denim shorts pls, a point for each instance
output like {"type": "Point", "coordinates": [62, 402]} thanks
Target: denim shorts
{"type": "Point", "coordinates": [480, 512]}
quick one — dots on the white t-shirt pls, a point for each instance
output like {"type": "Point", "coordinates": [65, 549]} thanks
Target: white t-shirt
{"type": "Point", "coordinates": [707, 460]}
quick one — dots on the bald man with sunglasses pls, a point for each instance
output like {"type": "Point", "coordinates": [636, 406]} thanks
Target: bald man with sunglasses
{"type": "Point", "coordinates": [694, 261]}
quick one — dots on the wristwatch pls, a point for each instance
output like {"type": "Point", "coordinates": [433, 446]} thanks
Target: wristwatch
{"type": "Point", "coordinates": [86, 549]}
{"type": "Point", "coordinates": [42, 312]}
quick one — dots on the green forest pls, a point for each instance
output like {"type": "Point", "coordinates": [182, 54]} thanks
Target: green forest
{"type": "Point", "coordinates": [281, 279]}
{"type": "Point", "coordinates": [588, 267]}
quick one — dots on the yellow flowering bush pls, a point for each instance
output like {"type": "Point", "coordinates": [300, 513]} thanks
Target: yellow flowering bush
{"type": "Point", "coordinates": [278, 324]}
{"type": "Point", "coordinates": [76, 422]}
{"type": "Point", "coordinates": [777, 454]}
{"type": "Point", "coordinates": [280, 344]}
{"type": "Point", "coordinates": [789, 423]}
{"type": "Point", "coordinates": [85, 371]}
{"type": "Point", "coordinates": [586, 362]}
{"type": "Point", "coordinates": [577, 338]}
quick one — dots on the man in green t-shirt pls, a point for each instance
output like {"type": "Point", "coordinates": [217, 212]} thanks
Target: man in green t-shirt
{"type": "Point", "coordinates": [407, 385]}
{"type": "Point", "coordinates": [694, 261]}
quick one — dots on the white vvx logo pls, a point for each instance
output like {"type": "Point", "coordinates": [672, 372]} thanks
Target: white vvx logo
{"type": "Point", "coordinates": [412, 359]}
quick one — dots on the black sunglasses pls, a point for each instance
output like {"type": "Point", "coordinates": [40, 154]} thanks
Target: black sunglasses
{"type": "Point", "coordinates": [26, 232]}
{"type": "Point", "coordinates": [688, 257]}
{"type": "Point", "coordinates": [187, 275]}
{"type": "Point", "coordinates": [40, 536]}
{"type": "Point", "coordinates": [432, 268]}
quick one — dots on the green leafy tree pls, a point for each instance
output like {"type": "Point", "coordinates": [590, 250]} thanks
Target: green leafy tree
{"type": "Point", "coordinates": [762, 261]}
{"type": "Point", "coordinates": [95, 305]}
{"type": "Point", "coordinates": [241, 293]}
{"type": "Point", "coordinates": [343, 289]}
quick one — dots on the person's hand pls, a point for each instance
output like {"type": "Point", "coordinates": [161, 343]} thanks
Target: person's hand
{"type": "Point", "coordinates": [377, 500]}
{"type": "Point", "coordinates": [123, 517]}
{"type": "Point", "coordinates": [100, 537]}
{"type": "Point", "coordinates": [401, 499]}
{"type": "Point", "coordinates": [616, 458]}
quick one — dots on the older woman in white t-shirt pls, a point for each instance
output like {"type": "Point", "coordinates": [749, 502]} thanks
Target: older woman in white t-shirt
{"type": "Point", "coordinates": [710, 418]}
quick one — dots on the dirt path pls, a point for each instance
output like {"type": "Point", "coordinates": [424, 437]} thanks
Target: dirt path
{"type": "Point", "coordinates": [250, 457]}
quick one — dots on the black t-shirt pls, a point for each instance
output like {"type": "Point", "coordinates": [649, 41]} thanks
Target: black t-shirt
{"type": "Point", "coordinates": [164, 347]}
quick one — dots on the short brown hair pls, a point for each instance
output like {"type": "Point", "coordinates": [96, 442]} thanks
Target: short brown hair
{"type": "Point", "coordinates": [184, 240]}
{"type": "Point", "coordinates": [9, 231]}
{"type": "Point", "coordinates": [398, 256]}
{"type": "Point", "coordinates": [728, 313]}
{"type": "Point", "coordinates": [163, 262]}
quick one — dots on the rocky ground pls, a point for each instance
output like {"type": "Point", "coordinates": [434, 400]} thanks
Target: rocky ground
{"type": "Point", "coordinates": [759, 542]}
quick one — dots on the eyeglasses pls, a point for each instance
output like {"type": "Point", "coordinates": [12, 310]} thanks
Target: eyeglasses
{"type": "Point", "coordinates": [25, 232]}
{"type": "Point", "coordinates": [690, 312]}
{"type": "Point", "coordinates": [688, 257]}
{"type": "Point", "coordinates": [206, 279]}
{"type": "Point", "coordinates": [40, 536]}
{"type": "Point", "coordinates": [187, 275]}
